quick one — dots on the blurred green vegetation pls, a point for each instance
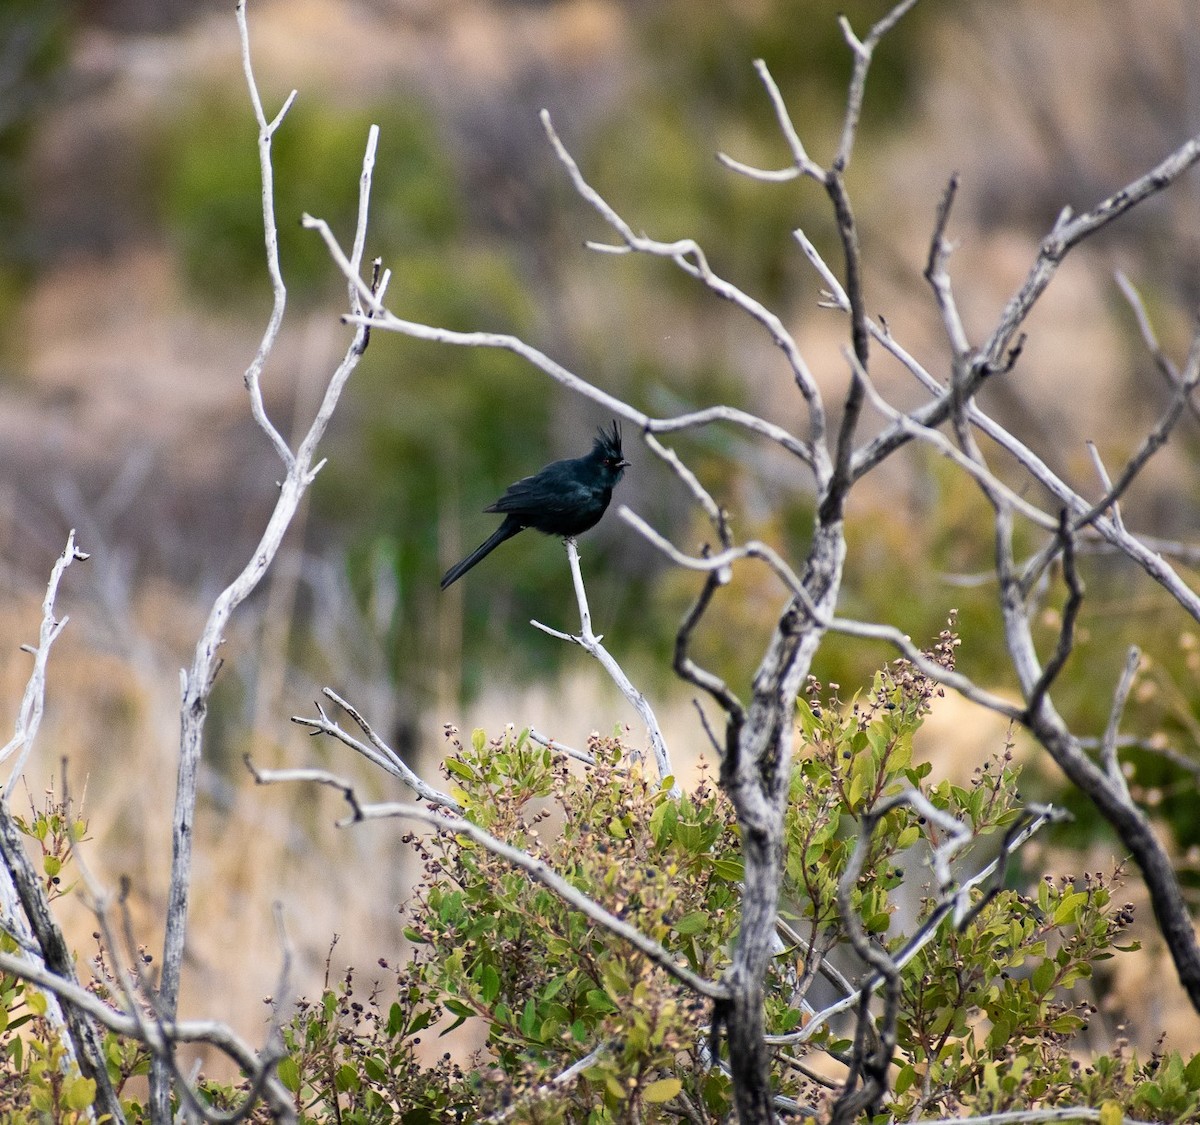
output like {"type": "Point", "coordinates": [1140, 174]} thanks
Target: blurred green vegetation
{"type": "Point", "coordinates": [211, 192]}
{"type": "Point", "coordinates": [34, 37]}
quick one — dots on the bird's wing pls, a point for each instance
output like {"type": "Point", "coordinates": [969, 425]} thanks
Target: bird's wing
{"type": "Point", "coordinates": [555, 490]}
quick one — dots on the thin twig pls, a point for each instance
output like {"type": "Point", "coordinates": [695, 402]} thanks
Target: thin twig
{"type": "Point", "coordinates": [1065, 235]}
{"type": "Point", "coordinates": [378, 753]}
{"type": "Point", "coordinates": [801, 164]}
{"type": "Point", "coordinates": [1070, 613]}
{"type": "Point", "coordinates": [33, 701]}
{"type": "Point", "coordinates": [591, 643]}
{"type": "Point", "coordinates": [1108, 746]}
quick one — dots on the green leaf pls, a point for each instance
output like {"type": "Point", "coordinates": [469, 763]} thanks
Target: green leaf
{"type": "Point", "coordinates": [375, 1071]}
{"type": "Point", "coordinates": [80, 1092]}
{"type": "Point", "coordinates": [662, 1090]}
{"type": "Point", "coordinates": [663, 821]}
{"type": "Point", "coordinates": [460, 769]}
{"type": "Point", "coordinates": [478, 740]}
{"type": "Point", "coordinates": [1191, 1072]}
{"type": "Point", "coordinates": [1068, 909]}
{"type": "Point", "coordinates": [692, 923]}
{"type": "Point", "coordinates": [1111, 1113]}
{"type": "Point", "coordinates": [599, 1001]}
{"type": "Point", "coordinates": [1043, 977]}
{"type": "Point", "coordinates": [689, 836]}
{"type": "Point", "coordinates": [732, 870]}
{"type": "Point", "coordinates": [395, 1023]}
{"type": "Point", "coordinates": [289, 1073]}
{"type": "Point", "coordinates": [877, 923]}
{"type": "Point", "coordinates": [52, 865]}
{"type": "Point", "coordinates": [529, 1020]}
{"type": "Point", "coordinates": [489, 983]}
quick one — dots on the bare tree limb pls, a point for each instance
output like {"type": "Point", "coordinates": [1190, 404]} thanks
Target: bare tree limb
{"type": "Point", "coordinates": [197, 682]}
{"type": "Point", "coordinates": [378, 752]}
{"type": "Point", "coordinates": [159, 1040]}
{"type": "Point", "coordinates": [1108, 746]}
{"type": "Point", "coordinates": [1066, 234]}
{"type": "Point", "coordinates": [33, 701]}
{"type": "Point", "coordinates": [801, 164]}
{"type": "Point", "coordinates": [591, 643]}
{"type": "Point", "coordinates": [561, 748]}
{"type": "Point", "coordinates": [27, 912]}
{"type": "Point", "coordinates": [863, 50]}
{"type": "Point", "coordinates": [874, 1047]}
{"type": "Point", "coordinates": [687, 254]}
{"type": "Point", "coordinates": [1033, 819]}
{"type": "Point", "coordinates": [1070, 614]}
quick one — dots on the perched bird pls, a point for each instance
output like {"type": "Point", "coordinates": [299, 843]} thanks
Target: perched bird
{"type": "Point", "coordinates": [565, 498]}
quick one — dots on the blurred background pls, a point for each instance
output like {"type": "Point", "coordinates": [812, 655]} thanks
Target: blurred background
{"type": "Point", "coordinates": [133, 293]}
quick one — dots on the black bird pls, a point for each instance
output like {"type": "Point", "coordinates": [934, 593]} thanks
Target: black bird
{"type": "Point", "coordinates": [565, 498]}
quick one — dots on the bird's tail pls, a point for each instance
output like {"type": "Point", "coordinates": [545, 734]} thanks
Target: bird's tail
{"type": "Point", "coordinates": [506, 530]}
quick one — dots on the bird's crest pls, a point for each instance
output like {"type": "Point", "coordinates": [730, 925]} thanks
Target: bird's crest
{"type": "Point", "coordinates": [608, 442]}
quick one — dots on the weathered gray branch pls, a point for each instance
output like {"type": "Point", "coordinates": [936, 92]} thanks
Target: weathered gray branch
{"type": "Point", "coordinates": [27, 913]}
{"type": "Point", "coordinates": [301, 469]}
{"type": "Point", "coordinates": [591, 643]}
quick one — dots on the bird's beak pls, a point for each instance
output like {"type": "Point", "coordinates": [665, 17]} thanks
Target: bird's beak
{"type": "Point", "coordinates": [623, 464]}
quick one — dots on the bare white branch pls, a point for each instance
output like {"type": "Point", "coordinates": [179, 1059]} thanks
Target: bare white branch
{"type": "Point", "coordinates": [29, 716]}
{"type": "Point", "coordinates": [833, 287]}
{"type": "Point", "coordinates": [161, 1038]}
{"type": "Point", "coordinates": [721, 563]}
{"type": "Point", "coordinates": [948, 449]}
{"type": "Point", "coordinates": [591, 643]}
{"type": "Point", "coordinates": [557, 747]}
{"type": "Point", "coordinates": [375, 750]}
{"type": "Point", "coordinates": [198, 681]}
{"type": "Point", "coordinates": [1108, 746]}
{"type": "Point", "coordinates": [863, 50]}
{"type": "Point", "coordinates": [266, 134]}
{"type": "Point", "coordinates": [802, 165]}
{"type": "Point", "coordinates": [687, 254]}
{"type": "Point", "coordinates": [1106, 481]}
{"type": "Point", "coordinates": [550, 1087]}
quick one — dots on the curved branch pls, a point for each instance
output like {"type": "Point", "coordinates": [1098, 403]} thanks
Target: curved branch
{"type": "Point", "coordinates": [378, 753]}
